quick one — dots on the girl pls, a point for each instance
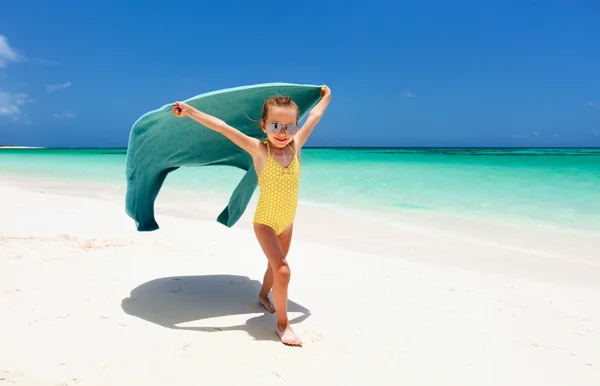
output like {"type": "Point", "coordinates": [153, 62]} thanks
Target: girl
{"type": "Point", "coordinates": [277, 164]}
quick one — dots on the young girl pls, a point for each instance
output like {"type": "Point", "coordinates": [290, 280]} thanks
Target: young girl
{"type": "Point", "coordinates": [277, 164]}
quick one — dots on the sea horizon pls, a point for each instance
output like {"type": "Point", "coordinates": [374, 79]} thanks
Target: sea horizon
{"type": "Point", "coordinates": [321, 147]}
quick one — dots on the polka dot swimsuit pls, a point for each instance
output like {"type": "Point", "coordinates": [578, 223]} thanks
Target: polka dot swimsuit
{"type": "Point", "coordinates": [278, 197]}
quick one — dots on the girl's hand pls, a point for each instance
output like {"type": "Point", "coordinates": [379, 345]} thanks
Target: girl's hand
{"type": "Point", "coordinates": [325, 91]}
{"type": "Point", "coordinates": [181, 109]}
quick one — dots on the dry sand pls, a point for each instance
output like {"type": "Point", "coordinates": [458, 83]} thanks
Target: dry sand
{"type": "Point", "coordinates": [85, 299]}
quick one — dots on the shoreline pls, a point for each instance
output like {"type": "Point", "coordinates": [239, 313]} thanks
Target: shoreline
{"type": "Point", "coordinates": [86, 187]}
{"type": "Point", "coordinates": [375, 231]}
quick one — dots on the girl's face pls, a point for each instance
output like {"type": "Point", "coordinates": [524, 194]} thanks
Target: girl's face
{"type": "Point", "coordinates": [280, 126]}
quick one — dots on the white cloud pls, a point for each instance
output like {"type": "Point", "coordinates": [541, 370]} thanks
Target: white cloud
{"type": "Point", "coordinates": [56, 87]}
{"type": "Point", "coordinates": [45, 62]}
{"type": "Point", "coordinates": [407, 94]}
{"type": "Point", "coordinates": [10, 104]}
{"type": "Point", "coordinates": [66, 115]}
{"type": "Point", "coordinates": [6, 53]}
{"type": "Point", "coordinates": [594, 105]}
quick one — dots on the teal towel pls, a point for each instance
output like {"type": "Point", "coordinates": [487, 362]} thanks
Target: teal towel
{"type": "Point", "coordinates": [160, 143]}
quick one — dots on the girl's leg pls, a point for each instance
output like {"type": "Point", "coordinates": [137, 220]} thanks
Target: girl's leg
{"type": "Point", "coordinates": [263, 295]}
{"type": "Point", "coordinates": [271, 246]}
{"type": "Point", "coordinates": [285, 239]}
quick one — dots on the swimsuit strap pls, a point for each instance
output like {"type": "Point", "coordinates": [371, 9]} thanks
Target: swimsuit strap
{"type": "Point", "coordinates": [269, 150]}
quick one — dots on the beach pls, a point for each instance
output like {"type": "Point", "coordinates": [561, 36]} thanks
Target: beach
{"type": "Point", "coordinates": [88, 300]}
{"type": "Point", "coordinates": [487, 274]}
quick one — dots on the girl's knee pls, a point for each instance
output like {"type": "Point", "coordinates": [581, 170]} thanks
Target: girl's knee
{"type": "Point", "coordinates": [283, 273]}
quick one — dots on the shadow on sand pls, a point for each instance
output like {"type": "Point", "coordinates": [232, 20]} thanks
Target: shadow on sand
{"type": "Point", "coordinates": [171, 301]}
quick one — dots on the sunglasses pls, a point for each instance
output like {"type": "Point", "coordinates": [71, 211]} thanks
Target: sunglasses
{"type": "Point", "coordinates": [275, 127]}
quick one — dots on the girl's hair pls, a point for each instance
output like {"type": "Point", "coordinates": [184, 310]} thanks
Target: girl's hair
{"type": "Point", "coordinates": [279, 101]}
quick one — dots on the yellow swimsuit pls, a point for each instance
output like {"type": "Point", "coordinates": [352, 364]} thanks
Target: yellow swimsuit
{"type": "Point", "coordinates": [278, 197]}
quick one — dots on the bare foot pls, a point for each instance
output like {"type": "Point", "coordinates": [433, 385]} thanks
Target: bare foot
{"type": "Point", "coordinates": [265, 302]}
{"type": "Point", "coordinates": [288, 336]}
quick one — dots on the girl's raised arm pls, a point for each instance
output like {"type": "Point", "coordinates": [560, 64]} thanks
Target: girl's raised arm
{"type": "Point", "coordinates": [313, 117]}
{"type": "Point", "coordinates": [249, 144]}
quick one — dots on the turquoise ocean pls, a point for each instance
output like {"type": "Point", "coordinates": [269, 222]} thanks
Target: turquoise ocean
{"type": "Point", "coordinates": [516, 186]}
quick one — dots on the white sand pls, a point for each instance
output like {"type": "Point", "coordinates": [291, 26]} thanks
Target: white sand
{"type": "Point", "coordinates": [87, 300]}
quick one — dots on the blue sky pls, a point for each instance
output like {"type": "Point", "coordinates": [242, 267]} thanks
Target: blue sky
{"type": "Point", "coordinates": [422, 73]}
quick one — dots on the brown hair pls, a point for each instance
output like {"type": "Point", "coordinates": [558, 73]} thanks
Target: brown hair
{"type": "Point", "coordinates": [279, 101]}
